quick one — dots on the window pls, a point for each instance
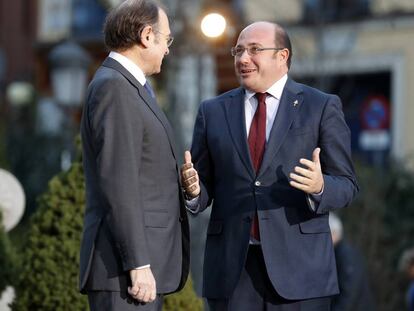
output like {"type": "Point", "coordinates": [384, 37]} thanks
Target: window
{"type": "Point", "coordinates": [88, 18]}
{"type": "Point", "coordinates": [317, 11]}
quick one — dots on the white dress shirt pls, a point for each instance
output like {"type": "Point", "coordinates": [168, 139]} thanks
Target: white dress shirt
{"type": "Point", "coordinates": [272, 105]}
{"type": "Point", "coordinates": [250, 106]}
{"type": "Point", "coordinates": [130, 66]}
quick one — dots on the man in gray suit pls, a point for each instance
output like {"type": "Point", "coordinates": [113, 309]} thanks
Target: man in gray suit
{"type": "Point", "coordinates": [136, 240]}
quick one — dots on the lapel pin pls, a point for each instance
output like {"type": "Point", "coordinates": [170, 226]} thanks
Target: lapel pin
{"type": "Point", "coordinates": [295, 103]}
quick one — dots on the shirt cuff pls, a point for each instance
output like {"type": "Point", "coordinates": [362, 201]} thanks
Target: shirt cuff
{"type": "Point", "coordinates": [142, 267]}
{"type": "Point", "coordinates": [193, 204]}
{"type": "Point", "coordinates": [314, 200]}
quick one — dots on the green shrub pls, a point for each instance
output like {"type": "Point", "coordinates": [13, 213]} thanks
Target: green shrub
{"type": "Point", "coordinates": [185, 300]}
{"type": "Point", "coordinates": [381, 224]}
{"type": "Point", "coordinates": [50, 257]}
{"type": "Point", "coordinates": [7, 259]}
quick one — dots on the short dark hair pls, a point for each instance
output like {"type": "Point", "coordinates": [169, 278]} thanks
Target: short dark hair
{"type": "Point", "coordinates": [124, 24]}
{"type": "Point", "coordinates": [282, 40]}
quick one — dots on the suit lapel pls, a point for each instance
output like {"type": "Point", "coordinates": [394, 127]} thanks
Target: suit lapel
{"type": "Point", "coordinates": [234, 107]}
{"type": "Point", "coordinates": [148, 100]}
{"type": "Point", "coordinates": [290, 103]}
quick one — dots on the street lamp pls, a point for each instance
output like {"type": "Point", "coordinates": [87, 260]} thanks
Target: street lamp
{"type": "Point", "coordinates": [192, 77]}
{"type": "Point", "coordinates": [20, 93]}
{"type": "Point", "coordinates": [69, 64]}
{"type": "Point", "coordinates": [12, 200]}
{"type": "Point", "coordinates": [213, 25]}
{"type": "Point", "coordinates": [69, 72]}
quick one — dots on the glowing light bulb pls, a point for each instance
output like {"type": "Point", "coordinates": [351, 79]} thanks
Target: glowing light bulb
{"type": "Point", "coordinates": [213, 25]}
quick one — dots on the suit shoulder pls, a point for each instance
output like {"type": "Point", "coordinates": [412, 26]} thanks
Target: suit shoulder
{"type": "Point", "coordinates": [107, 77]}
{"type": "Point", "coordinates": [311, 91]}
{"type": "Point", "coordinates": [109, 88]}
{"type": "Point", "coordinates": [318, 97]}
{"type": "Point", "coordinates": [222, 97]}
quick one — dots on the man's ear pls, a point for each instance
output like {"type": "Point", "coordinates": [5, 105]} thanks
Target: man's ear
{"type": "Point", "coordinates": [146, 36]}
{"type": "Point", "coordinates": [285, 54]}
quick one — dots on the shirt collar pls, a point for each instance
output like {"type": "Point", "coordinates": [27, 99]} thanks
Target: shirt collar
{"type": "Point", "coordinates": [130, 66]}
{"type": "Point", "coordinates": [275, 90]}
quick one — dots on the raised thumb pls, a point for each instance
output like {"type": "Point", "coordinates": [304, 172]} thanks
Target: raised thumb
{"type": "Point", "coordinates": [187, 157]}
{"type": "Point", "coordinates": [315, 155]}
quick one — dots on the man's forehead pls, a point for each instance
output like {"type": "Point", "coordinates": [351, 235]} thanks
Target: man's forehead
{"type": "Point", "coordinates": [254, 36]}
{"type": "Point", "coordinates": [163, 20]}
{"type": "Point", "coordinates": [259, 27]}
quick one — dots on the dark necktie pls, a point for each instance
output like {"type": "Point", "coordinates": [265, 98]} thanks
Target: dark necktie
{"type": "Point", "coordinates": [149, 89]}
{"type": "Point", "coordinates": [257, 142]}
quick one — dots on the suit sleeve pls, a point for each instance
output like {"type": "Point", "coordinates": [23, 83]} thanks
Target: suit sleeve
{"type": "Point", "coordinates": [202, 160]}
{"type": "Point", "coordinates": [118, 135]}
{"type": "Point", "coordinates": [340, 185]}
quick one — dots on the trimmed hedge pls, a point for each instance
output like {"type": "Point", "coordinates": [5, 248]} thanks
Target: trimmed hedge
{"type": "Point", "coordinates": [50, 259]}
{"type": "Point", "coordinates": [8, 259]}
{"type": "Point", "coordinates": [185, 300]}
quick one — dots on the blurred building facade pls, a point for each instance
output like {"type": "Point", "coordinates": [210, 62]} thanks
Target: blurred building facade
{"type": "Point", "coordinates": [33, 125]}
{"type": "Point", "coordinates": [17, 33]}
{"type": "Point", "coordinates": [362, 50]}
{"type": "Point", "coordinates": [17, 76]}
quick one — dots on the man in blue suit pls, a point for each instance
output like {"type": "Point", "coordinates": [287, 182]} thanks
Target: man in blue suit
{"type": "Point", "coordinates": [274, 157]}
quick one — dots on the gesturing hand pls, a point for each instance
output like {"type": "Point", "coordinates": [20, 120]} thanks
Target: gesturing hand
{"type": "Point", "coordinates": [309, 179]}
{"type": "Point", "coordinates": [189, 177]}
{"type": "Point", "coordinates": [143, 285]}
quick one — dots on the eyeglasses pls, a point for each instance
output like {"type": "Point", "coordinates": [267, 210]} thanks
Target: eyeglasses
{"type": "Point", "coordinates": [251, 50]}
{"type": "Point", "coordinates": [169, 38]}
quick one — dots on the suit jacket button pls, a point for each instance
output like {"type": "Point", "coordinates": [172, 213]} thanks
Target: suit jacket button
{"type": "Point", "coordinates": [257, 183]}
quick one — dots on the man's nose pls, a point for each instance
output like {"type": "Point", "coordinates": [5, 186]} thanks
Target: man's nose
{"type": "Point", "coordinates": [244, 57]}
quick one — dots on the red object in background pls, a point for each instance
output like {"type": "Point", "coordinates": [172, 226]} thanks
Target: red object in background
{"type": "Point", "coordinates": [375, 113]}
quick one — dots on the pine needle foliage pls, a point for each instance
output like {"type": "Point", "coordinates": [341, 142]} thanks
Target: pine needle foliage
{"type": "Point", "coordinates": [48, 279]}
